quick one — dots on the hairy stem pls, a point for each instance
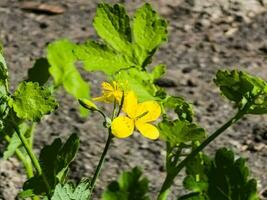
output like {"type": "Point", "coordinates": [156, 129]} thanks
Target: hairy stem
{"type": "Point", "coordinates": [163, 194]}
{"type": "Point", "coordinates": [101, 161]}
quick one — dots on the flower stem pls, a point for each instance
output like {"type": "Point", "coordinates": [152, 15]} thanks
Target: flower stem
{"type": "Point", "coordinates": [101, 161]}
{"type": "Point", "coordinates": [33, 158]}
{"type": "Point", "coordinates": [163, 194]}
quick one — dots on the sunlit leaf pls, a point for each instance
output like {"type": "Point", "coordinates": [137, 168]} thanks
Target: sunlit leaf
{"type": "Point", "coordinates": [100, 57]}
{"type": "Point", "coordinates": [112, 24]}
{"type": "Point", "coordinates": [120, 49]}
{"type": "Point", "coordinates": [141, 82]}
{"type": "Point", "coordinates": [31, 101]}
{"type": "Point", "coordinates": [63, 70]}
{"type": "Point", "coordinates": [149, 30]}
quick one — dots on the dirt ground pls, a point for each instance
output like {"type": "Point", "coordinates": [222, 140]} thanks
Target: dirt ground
{"type": "Point", "coordinates": [204, 36]}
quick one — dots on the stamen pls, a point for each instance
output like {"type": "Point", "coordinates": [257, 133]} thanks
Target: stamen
{"type": "Point", "coordinates": [142, 115]}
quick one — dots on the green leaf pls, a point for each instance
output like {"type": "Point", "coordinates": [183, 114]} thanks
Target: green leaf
{"type": "Point", "coordinates": [177, 132]}
{"type": "Point", "coordinates": [3, 87]}
{"type": "Point", "coordinates": [54, 160]}
{"type": "Point", "coordinates": [141, 82]}
{"type": "Point", "coordinates": [61, 58]}
{"type": "Point", "coordinates": [158, 71]}
{"type": "Point", "coordinates": [3, 68]}
{"type": "Point", "coordinates": [149, 29]}
{"type": "Point", "coordinates": [242, 88]}
{"type": "Point", "coordinates": [31, 101]}
{"type": "Point", "coordinates": [100, 57]}
{"type": "Point", "coordinates": [113, 26]}
{"type": "Point", "coordinates": [66, 156]}
{"type": "Point", "coordinates": [180, 106]}
{"type": "Point", "coordinates": [15, 141]}
{"type": "Point", "coordinates": [39, 72]}
{"type": "Point", "coordinates": [69, 192]}
{"type": "Point", "coordinates": [131, 185]}
{"type": "Point", "coordinates": [33, 186]}
{"type": "Point", "coordinates": [221, 178]}
{"type": "Point", "coordinates": [119, 50]}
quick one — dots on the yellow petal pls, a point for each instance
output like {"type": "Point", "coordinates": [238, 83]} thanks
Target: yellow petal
{"type": "Point", "coordinates": [147, 130]}
{"type": "Point", "coordinates": [117, 95]}
{"type": "Point", "coordinates": [103, 98]}
{"type": "Point", "coordinates": [122, 127]}
{"type": "Point", "coordinates": [148, 111]}
{"type": "Point", "coordinates": [130, 104]}
{"type": "Point", "coordinates": [107, 86]}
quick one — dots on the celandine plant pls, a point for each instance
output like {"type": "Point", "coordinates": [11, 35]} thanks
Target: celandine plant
{"type": "Point", "coordinates": [124, 54]}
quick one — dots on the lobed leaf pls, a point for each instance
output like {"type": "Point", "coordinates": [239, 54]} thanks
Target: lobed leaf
{"type": "Point", "coordinates": [177, 132]}
{"type": "Point", "coordinates": [100, 57]}
{"type": "Point", "coordinates": [223, 177]}
{"type": "Point", "coordinates": [241, 87]}
{"type": "Point", "coordinates": [149, 30]}
{"type": "Point", "coordinates": [31, 101]}
{"type": "Point", "coordinates": [121, 49]}
{"type": "Point", "coordinates": [69, 192]}
{"type": "Point", "coordinates": [112, 24]}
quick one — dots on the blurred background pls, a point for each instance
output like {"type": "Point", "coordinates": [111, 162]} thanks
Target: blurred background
{"type": "Point", "coordinates": [204, 36]}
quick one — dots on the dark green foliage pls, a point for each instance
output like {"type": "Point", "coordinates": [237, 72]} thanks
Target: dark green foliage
{"type": "Point", "coordinates": [243, 88]}
{"type": "Point", "coordinates": [39, 72]}
{"type": "Point", "coordinates": [130, 186]}
{"type": "Point", "coordinates": [54, 160]}
{"type": "Point", "coordinates": [221, 178]}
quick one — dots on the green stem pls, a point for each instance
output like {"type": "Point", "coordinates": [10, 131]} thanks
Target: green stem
{"type": "Point", "coordinates": [29, 151]}
{"type": "Point", "coordinates": [31, 133]}
{"type": "Point", "coordinates": [33, 158]}
{"type": "Point", "coordinates": [26, 163]}
{"type": "Point", "coordinates": [170, 177]}
{"type": "Point", "coordinates": [101, 161]}
{"type": "Point", "coordinates": [23, 159]}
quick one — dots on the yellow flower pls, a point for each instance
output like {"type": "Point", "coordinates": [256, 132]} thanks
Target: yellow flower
{"type": "Point", "coordinates": [110, 93]}
{"type": "Point", "coordinates": [138, 115]}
